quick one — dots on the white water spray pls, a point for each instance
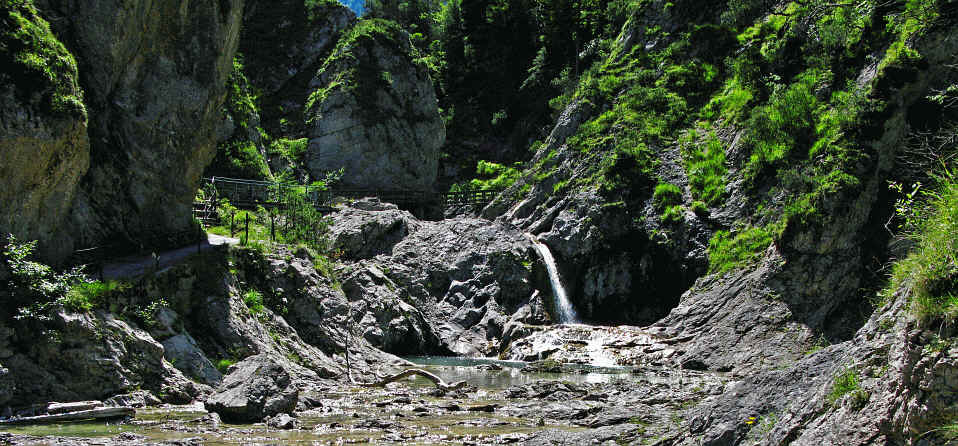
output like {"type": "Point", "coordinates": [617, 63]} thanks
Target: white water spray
{"type": "Point", "coordinates": [567, 314]}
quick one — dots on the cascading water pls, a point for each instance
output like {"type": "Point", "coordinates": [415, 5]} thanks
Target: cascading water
{"type": "Point", "coordinates": [567, 314]}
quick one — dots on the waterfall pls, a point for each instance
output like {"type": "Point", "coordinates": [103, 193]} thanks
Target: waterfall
{"type": "Point", "coordinates": [567, 314]}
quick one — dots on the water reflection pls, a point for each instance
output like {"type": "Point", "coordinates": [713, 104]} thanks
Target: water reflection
{"type": "Point", "coordinates": [452, 369]}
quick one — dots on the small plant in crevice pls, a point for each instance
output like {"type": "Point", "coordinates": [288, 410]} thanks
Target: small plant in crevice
{"type": "Point", "coordinates": [667, 199]}
{"type": "Point", "coordinates": [147, 315]}
{"type": "Point", "coordinates": [847, 383]}
{"type": "Point", "coordinates": [223, 365]}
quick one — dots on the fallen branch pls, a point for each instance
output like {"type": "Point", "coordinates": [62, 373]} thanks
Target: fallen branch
{"type": "Point", "coordinates": [410, 372]}
{"type": "Point", "coordinates": [98, 413]}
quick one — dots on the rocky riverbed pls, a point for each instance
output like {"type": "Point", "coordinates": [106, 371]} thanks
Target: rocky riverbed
{"type": "Point", "coordinates": [508, 406]}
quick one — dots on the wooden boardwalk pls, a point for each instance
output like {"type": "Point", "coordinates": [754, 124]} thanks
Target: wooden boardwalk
{"type": "Point", "coordinates": [249, 194]}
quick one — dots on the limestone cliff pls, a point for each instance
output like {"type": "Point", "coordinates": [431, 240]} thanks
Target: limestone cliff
{"type": "Point", "coordinates": [373, 112]}
{"type": "Point", "coordinates": [43, 126]}
{"type": "Point", "coordinates": [153, 75]}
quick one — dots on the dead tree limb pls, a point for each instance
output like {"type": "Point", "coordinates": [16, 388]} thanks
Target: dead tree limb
{"type": "Point", "coordinates": [410, 372]}
{"type": "Point", "coordinates": [98, 413]}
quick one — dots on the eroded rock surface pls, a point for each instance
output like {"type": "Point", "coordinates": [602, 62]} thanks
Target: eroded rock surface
{"type": "Point", "coordinates": [447, 286]}
{"type": "Point", "coordinates": [43, 130]}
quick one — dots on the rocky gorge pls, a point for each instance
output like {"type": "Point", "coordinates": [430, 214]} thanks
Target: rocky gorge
{"type": "Point", "coordinates": [716, 197]}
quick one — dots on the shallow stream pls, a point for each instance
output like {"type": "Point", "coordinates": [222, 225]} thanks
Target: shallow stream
{"type": "Point", "coordinates": [408, 412]}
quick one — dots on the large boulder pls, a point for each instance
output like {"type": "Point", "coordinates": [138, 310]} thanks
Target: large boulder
{"type": "Point", "coordinates": [182, 351]}
{"type": "Point", "coordinates": [43, 127]}
{"type": "Point", "coordinates": [258, 387]}
{"type": "Point", "coordinates": [373, 112]}
{"type": "Point", "coordinates": [88, 356]}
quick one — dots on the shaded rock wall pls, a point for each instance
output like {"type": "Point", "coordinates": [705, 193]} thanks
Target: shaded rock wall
{"type": "Point", "coordinates": [284, 43]}
{"type": "Point", "coordinates": [153, 75]}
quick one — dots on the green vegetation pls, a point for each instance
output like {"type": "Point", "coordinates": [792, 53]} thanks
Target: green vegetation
{"type": "Point", "coordinates": [36, 61]}
{"type": "Point", "coordinates": [292, 150]}
{"type": "Point", "coordinates": [929, 275]}
{"type": "Point", "coordinates": [490, 176]}
{"type": "Point", "coordinates": [667, 199]}
{"type": "Point", "coordinates": [355, 69]}
{"type": "Point", "coordinates": [705, 166]}
{"type": "Point", "coordinates": [254, 301]}
{"type": "Point", "coordinates": [84, 296]}
{"type": "Point", "coordinates": [34, 290]}
{"type": "Point", "coordinates": [666, 195]}
{"type": "Point", "coordinates": [847, 383]}
{"type": "Point", "coordinates": [731, 250]}
{"type": "Point", "coordinates": [224, 364]}
{"type": "Point", "coordinates": [242, 155]}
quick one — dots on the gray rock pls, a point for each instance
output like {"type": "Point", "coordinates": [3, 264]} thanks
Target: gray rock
{"type": "Point", "coordinates": [284, 43]}
{"type": "Point", "coordinates": [373, 112]}
{"type": "Point", "coordinates": [283, 421]}
{"type": "Point", "coordinates": [258, 388]}
{"type": "Point", "coordinates": [182, 351]}
{"type": "Point", "coordinates": [139, 398]}
{"type": "Point", "coordinates": [427, 287]}
{"type": "Point", "coordinates": [154, 79]}
{"type": "Point", "coordinates": [92, 356]}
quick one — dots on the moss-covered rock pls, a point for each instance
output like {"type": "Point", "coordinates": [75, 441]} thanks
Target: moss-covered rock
{"type": "Point", "coordinates": [374, 112]}
{"type": "Point", "coordinates": [43, 125]}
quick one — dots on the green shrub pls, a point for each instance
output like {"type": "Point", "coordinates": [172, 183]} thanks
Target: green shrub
{"type": "Point", "coordinates": [705, 166]}
{"type": "Point", "coordinates": [673, 214]}
{"type": "Point", "coordinates": [490, 176]}
{"type": "Point", "coordinates": [293, 150]}
{"type": "Point", "coordinates": [85, 296]}
{"type": "Point", "coordinates": [930, 273]}
{"type": "Point", "coordinates": [785, 123]}
{"type": "Point", "coordinates": [254, 301]}
{"type": "Point", "coordinates": [727, 251]}
{"type": "Point", "coordinates": [666, 195]}
{"type": "Point", "coordinates": [33, 289]}
{"type": "Point", "coordinates": [224, 364]}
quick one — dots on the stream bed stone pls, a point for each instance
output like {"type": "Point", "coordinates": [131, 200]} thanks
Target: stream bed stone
{"type": "Point", "coordinates": [546, 410]}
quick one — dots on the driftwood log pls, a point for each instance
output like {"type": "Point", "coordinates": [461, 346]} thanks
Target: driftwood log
{"type": "Point", "coordinates": [410, 372]}
{"type": "Point", "coordinates": [90, 414]}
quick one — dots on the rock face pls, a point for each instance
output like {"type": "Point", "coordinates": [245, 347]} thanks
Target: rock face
{"type": "Point", "coordinates": [257, 388]}
{"type": "Point", "coordinates": [373, 112]}
{"type": "Point", "coordinates": [434, 287]}
{"type": "Point", "coordinates": [284, 44]}
{"type": "Point", "coordinates": [43, 128]}
{"type": "Point", "coordinates": [154, 79]}
{"type": "Point", "coordinates": [90, 356]}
